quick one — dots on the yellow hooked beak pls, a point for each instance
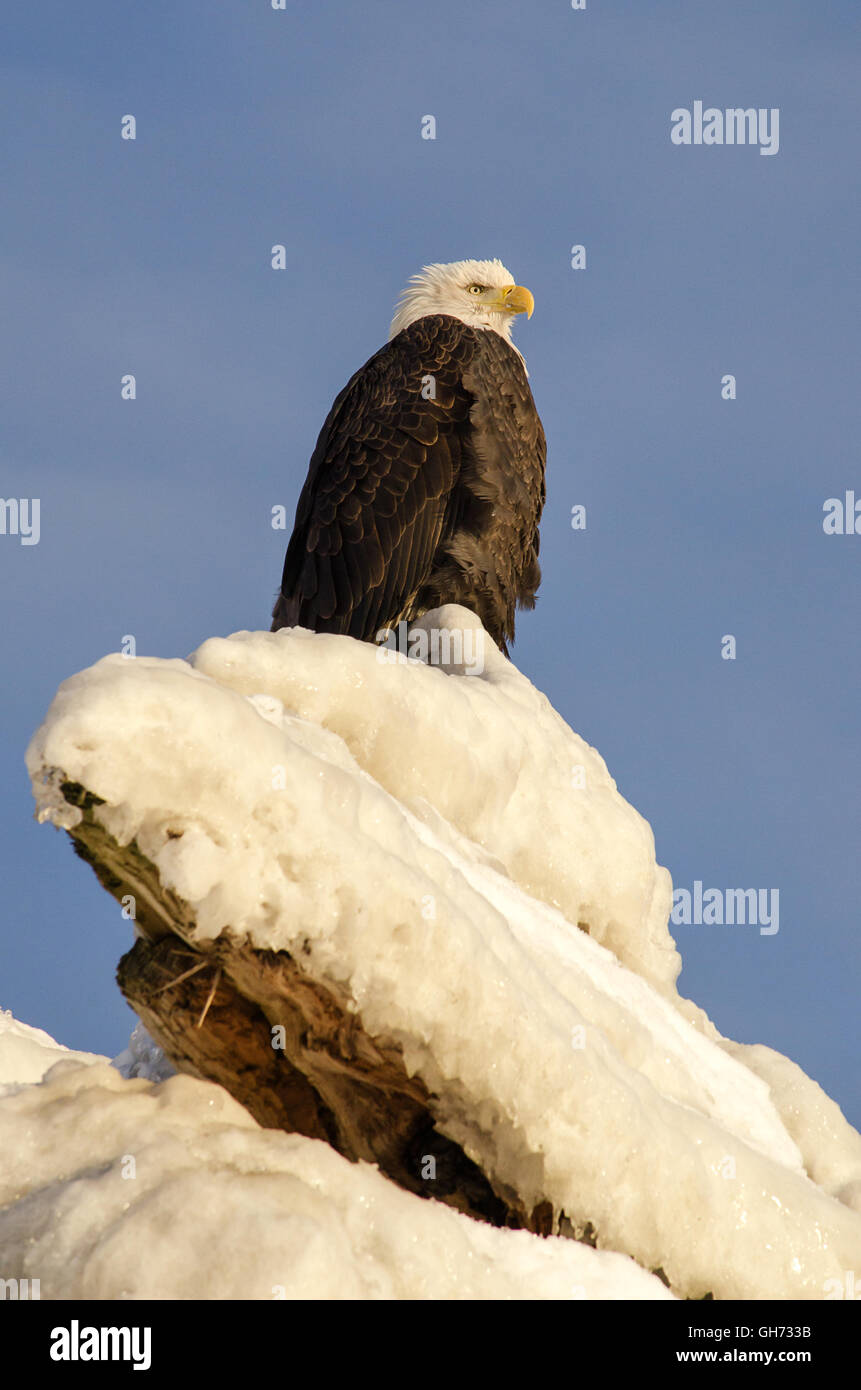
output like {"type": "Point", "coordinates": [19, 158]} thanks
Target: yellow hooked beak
{"type": "Point", "coordinates": [513, 299]}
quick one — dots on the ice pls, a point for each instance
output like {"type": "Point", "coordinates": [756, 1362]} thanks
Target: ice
{"type": "Point", "coordinates": [447, 851]}
{"type": "Point", "coordinates": [143, 1058]}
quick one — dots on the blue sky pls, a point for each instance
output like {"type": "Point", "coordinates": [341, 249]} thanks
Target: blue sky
{"type": "Point", "coordinates": [704, 516]}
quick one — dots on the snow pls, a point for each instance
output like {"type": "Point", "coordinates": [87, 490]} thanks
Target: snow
{"type": "Point", "coordinates": [491, 756]}
{"type": "Point", "coordinates": [444, 848]}
{"type": "Point", "coordinates": [27, 1053]}
{"type": "Point", "coordinates": [123, 1189]}
{"type": "Point", "coordinates": [830, 1147]}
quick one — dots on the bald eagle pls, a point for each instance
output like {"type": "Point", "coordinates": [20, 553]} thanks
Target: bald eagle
{"type": "Point", "coordinates": [427, 483]}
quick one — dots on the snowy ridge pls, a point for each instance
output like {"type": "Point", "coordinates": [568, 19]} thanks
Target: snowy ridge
{"type": "Point", "coordinates": [119, 1189]}
{"type": "Point", "coordinates": [419, 834]}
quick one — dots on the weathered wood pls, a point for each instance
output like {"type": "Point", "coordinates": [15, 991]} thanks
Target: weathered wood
{"type": "Point", "coordinates": [288, 1047]}
{"type": "Point", "coordinates": [229, 1044]}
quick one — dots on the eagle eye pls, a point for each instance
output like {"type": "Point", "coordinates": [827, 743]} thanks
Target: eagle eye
{"type": "Point", "coordinates": [476, 289]}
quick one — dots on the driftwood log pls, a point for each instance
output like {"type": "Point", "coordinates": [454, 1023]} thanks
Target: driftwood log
{"type": "Point", "coordinates": [287, 1047]}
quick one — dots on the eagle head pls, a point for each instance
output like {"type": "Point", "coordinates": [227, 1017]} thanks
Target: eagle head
{"type": "Point", "coordinates": [481, 294]}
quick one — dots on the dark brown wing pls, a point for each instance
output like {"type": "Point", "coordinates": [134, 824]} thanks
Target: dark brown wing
{"type": "Point", "coordinates": [431, 455]}
{"type": "Point", "coordinates": [496, 546]}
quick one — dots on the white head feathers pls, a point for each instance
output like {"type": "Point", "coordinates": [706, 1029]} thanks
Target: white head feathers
{"type": "Point", "coordinates": [479, 293]}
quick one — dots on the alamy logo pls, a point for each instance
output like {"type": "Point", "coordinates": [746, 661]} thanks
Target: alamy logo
{"type": "Point", "coordinates": [76, 1343]}
{"type": "Point", "coordinates": [22, 1289]}
{"type": "Point", "coordinates": [727, 907]}
{"type": "Point", "coordinates": [736, 125]}
{"type": "Point", "coordinates": [452, 647]}
{"type": "Point", "coordinates": [842, 515]}
{"type": "Point", "coordinates": [20, 517]}
{"type": "Point", "coordinates": [844, 1288]}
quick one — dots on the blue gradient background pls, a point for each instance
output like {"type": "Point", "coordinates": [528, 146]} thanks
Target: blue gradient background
{"type": "Point", "coordinates": [704, 517]}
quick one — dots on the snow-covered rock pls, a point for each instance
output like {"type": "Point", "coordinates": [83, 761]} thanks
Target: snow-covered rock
{"type": "Point", "coordinates": [444, 849]}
